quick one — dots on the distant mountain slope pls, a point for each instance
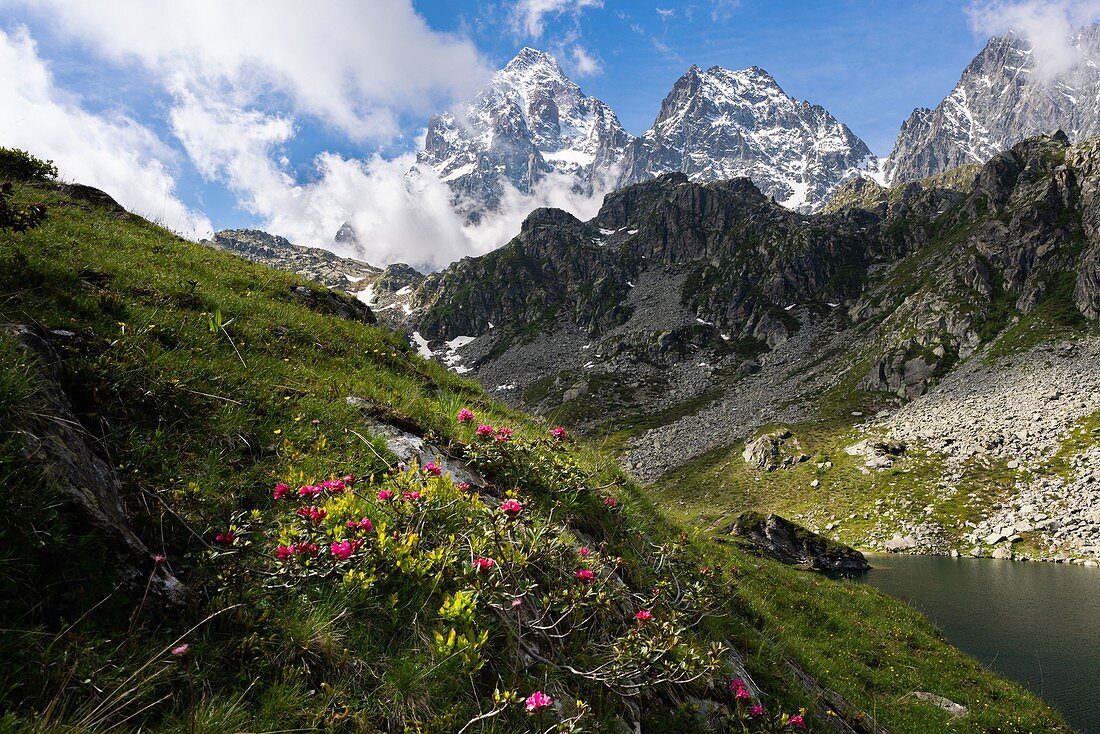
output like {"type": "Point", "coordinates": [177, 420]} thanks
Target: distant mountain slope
{"type": "Point", "coordinates": [720, 124]}
{"type": "Point", "coordinates": [1003, 96]}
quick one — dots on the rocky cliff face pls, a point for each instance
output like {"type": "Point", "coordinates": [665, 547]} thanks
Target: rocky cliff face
{"type": "Point", "coordinates": [310, 262]}
{"type": "Point", "coordinates": [1003, 96]}
{"type": "Point", "coordinates": [530, 123]}
{"type": "Point", "coordinates": [720, 124]}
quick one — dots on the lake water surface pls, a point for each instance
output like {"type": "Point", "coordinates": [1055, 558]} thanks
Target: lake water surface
{"type": "Point", "coordinates": [1037, 623]}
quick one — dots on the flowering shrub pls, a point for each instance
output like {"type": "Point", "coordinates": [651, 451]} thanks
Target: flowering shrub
{"type": "Point", "coordinates": [453, 571]}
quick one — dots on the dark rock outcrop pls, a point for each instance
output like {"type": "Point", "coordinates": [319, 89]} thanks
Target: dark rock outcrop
{"type": "Point", "coordinates": [56, 441]}
{"type": "Point", "coordinates": [793, 544]}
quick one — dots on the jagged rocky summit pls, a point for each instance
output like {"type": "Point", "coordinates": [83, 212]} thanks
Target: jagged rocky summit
{"type": "Point", "coordinates": [532, 123]}
{"type": "Point", "coordinates": [1006, 94]}
{"type": "Point", "coordinates": [529, 123]}
{"type": "Point", "coordinates": [720, 124]}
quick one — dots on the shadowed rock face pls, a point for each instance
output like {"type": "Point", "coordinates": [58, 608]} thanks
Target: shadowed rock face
{"type": "Point", "coordinates": [788, 542]}
{"type": "Point", "coordinates": [1003, 96]}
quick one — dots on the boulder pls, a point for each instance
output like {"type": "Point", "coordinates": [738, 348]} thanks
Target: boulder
{"type": "Point", "coordinates": [773, 451]}
{"type": "Point", "coordinates": [793, 544]}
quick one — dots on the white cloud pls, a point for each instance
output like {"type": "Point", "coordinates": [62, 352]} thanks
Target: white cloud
{"type": "Point", "coordinates": [113, 153]}
{"type": "Point", "coordinates": [584, 63]}
{"type": "Point", "coordinates": [721, 10]}
{"type": "Point", "coordinates": [1047, 24]}
{"type": "Point", "coordinates": [666, 13]}
{"type": "Point", "coordinates": [528, 16]}
{"type": "Point", "coordinates": [398, 217]}
{"type": "Point", "coordinates": [354, 65]}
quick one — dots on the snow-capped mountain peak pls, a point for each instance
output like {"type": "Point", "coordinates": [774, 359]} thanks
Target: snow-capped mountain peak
{"type": "Point", "coordinates": [721, 123]}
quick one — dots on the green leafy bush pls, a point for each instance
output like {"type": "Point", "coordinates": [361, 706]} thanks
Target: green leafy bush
{"type": "Point", "coordinates": [18, 217]}
{"type": "Point", "coordinates": [19, 165]}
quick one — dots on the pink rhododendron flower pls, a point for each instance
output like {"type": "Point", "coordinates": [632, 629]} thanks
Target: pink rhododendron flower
{"type": "Point", "coordinates": [309, 491]}
{"type": "Point", "coordinates": [610, 502]}
{"type": "Point", "coordinates": [463, 486]}
{"type": "Point", "coordinates": [643, 615]}
{"type": "Point", "coordinates": [412, 496]}
{"type": "Point", "coordinates": [484, 430]}
{"type": "Point", "coordinates": [737, 684]}
{"type": "Point", "coordinates": [483, 564]}
{"type": "Point", "coordinates": [282, 490]}
{"type": "Point", "coordinates": [336, 486]}
{"type": "Point", "coordinates": [511, 507]}
{"type": "Point", "coordinates": [341, 551]}
{"type": "Point", "coordinates": [756, 710]}
{"type": "Point", "coordinates": [228, 538]}
{"type": "Point", "coordinates": [585, 552]}
{"type": "Point", "coordinates": [743, 694]}
{"type": "Point", "coordinates": [284, 552]}
{"type": "Point", "coordinates": [465, 415]}
{"type": "Point", "coordinates": [313, 514]}
{"type": "Point", "coordinates": [584, 574]}
{"type": "Point", "coordinates": [517, 603]}
{"type": "Point", "coordinates": [181, 650]}
{"type": "Point", "coordinates": [538, 701]}
{"type": "Point", "coordinates": [796, 722]}
{"type": "Point", "coordinates": [559, 433]}
{"type": "Point", "coordinates": [385, 495]}
{"type": "Point", "coordinates": [431, 468]}
{"type": "Point", "coordinates": [306, 549]}
{"type": "Point", "coordinates": [364, 524]}
{"type": "Point", "coordinates": [504, 434]}
{"type": "Point", "coordinates": [350, 479]}
{"type": "Point", "coordinates": [159, 559]}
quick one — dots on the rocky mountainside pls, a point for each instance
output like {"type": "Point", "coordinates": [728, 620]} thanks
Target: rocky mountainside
{"type": "Point", "coordinates": [685, 316]}
{"type": "Point", "coordinates": [1005, 95]}
{"type": "Point", "coordinates": [720, 124]}
{"type": "Point", "coordinates": [530, 122]}
{"type": "Point", "coordinates": [310, 262]}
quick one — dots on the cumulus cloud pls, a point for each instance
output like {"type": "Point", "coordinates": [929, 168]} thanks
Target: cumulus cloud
{"type": "Point", "coordinates": [398, 216]}
{"type": "Point", "coordinates": [354, 65]}
{"type": "Point", "coordinates": [113, 153]}
{"type": "Point", "coordinates": [528, 16]}
{"type": "Point", "coordinates": [584, 63]}
{"type": "Point", "coordinates": [1048, 24]}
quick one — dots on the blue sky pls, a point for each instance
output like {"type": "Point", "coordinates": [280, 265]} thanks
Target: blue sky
{"type": "Point", "coordinates": [295, 117]}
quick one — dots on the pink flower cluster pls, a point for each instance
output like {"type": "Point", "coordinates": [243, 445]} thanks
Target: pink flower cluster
{"type": "Point", "coordinates": [431, 468]}
{"type": "Point", "coordinates": [511, 507]}
{"type": "Point", "coordinates": [740, 690]}
{"type": "Point", "coordinates": [465, 416]}
{"type": "Point", "coordinates": [483, 564]}
{"type": "Point", "coordinates": [282, 490]}
{"type": "Point", "coordinates": [484, 430]}
{"type": "Point", "coordinates": [584, 574]}
{"type": "Point", "coordinates": [411, 496]}
{"type": "Point", "coordinates": [584, 552]}
{"type": "Point", "coordinates": [538, 701]}
{"type": "Point", "coordinates": [559, 433]}
{"type": "Point", "coordinates": [610, 502]}
{"type": "Point", "coordinates": [796, 722]}
{"type": "Point", "coordinates": [226, 538]}
{"type": "Point", "coordinates": [463, 487]}
{"type": "Point", "coordinates": [312, 513]}
{"type": "Point", "coordinates": [308, 550]}
{"type": "Point", "coordinates": [342, 551]}
{"type": "Point", "coordinates": [364, 524]}
{"type": "Point", "coordinates": [385, 495]}
{"type": "Point", "coordinates": [504, 434]}
{"type": "Point", "coordinates": [643, 615]}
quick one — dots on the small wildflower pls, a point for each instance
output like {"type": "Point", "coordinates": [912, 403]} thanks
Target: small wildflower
{"type": "Point", "coordinates": [385, 495]}
{"type": "Point", "coordinates": [284, 552]}
{"type": "Point", "coordinates": [511, 507]}
{"type": "Point", "coordinates": [431, 468]}
{"type": "Point", "coordinates": [181, 650]}
{"type": "Point", "coordinates": [743, 694]}
{"type": "Point", "coordinates": [463, 486]}
{"type": "Point", "coordinates": [610, 502]}
{"type": "Point", "coordinates": [796, 722]}
{"type": "Point", "coordinates": [228, 538]}
{"type": "Point", "coordinates": [364, 524]}
{"type": "Point", "coordinates": [341, 551]}
{"type": "Point", "coordinates": [313, 514]}
{"type": "Point", "coordinates": [411, 496]}
{"type": "Point", "coordinates": [584, 552]}
{"type": "Point", "coordinates": [484, 430]}
{"type": "Point", "coordinates": [309, 491]}
{"type": "Point", "coordinates": [504, 434]}
{"type": "Point", "coordinates": [350, 479]}
{"type": "Point", "coordinates": [737, 685]}
{"type": "Point", "coordinates": [756, 710]}
{"type": "Point", "coordinates": [584, 574]}
{"type": "Point", "coordinates": [159, 559]}
{"type": "Point", "coordinates": [517, 603]}
{"type": "Point", "coordinates": [465, 416]}
{"type": "Point", "coordinates": [336, 486]}
{"type": "Point", "coordinates": [643, 615]}
{"type": "Point", "coordinates": [282, 490]}
{"type": "Point", "coordinates": [538, 701]}
{"type": "Point", "coordinates": [559, 433]}
{"type": "Point", "coordinates": [306, 549]}
{"type": "Point", "coordinates": [483, 564]}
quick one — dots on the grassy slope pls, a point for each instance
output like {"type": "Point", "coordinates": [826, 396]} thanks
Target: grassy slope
{"type": "Point", "coordinates": [208, 424]}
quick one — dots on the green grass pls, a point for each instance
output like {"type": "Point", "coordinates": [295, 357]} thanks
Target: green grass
{"type": "Point", "coordinates": [201, 416]}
